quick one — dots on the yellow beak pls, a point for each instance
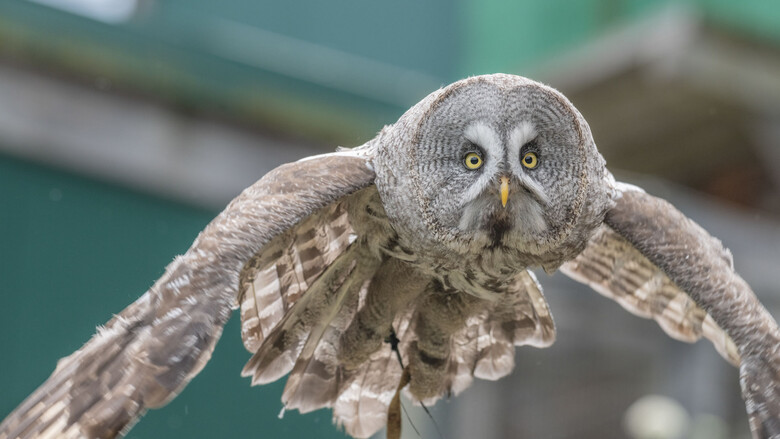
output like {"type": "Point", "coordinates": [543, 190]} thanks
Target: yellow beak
{"type": "Point", "coordinates": [504, 190]}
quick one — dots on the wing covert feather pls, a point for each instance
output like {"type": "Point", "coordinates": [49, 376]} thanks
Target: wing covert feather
{"type": "Point", "coordinates": [614, 268]}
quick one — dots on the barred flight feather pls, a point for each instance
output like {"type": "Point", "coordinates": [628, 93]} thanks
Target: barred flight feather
{"type": "Point", "coordinates": [277, 355]}
{"type": "Point", "coordinates": [273, 280]}
{"type": "Point", "coordinates": [615, 268]}
{"type": "Point", "coordinates": [312, 384]}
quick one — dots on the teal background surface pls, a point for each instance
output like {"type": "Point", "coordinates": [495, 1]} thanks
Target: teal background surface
{"type": "Point", "coordinates": [75, 251]}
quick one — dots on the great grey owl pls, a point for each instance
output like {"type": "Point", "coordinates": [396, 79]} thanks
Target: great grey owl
{"type": "Point", "coordinates": [426, 233]}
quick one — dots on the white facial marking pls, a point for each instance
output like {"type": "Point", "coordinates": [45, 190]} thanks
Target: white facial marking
{"type": "Point", "coordinates": [535, 188]}
{"type": "Point", "coordinates": [489, 141]}
{"type": "Point", "coordinates": [523, 133]}
{"type": "Point", "coordinates": [486, 138]}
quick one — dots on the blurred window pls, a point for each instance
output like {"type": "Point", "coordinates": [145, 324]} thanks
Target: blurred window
{"type": "Point", "coordinates": [108, 11]}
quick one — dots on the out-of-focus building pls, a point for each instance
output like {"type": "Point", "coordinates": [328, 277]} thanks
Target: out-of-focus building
{"type": "Point", "coordinates": [125, 125]}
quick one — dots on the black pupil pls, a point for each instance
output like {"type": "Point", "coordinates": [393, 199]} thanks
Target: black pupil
{"type": "Point", "coordinates": [529, 159]}
{"type": "Point", "coordinates": [474, 160]}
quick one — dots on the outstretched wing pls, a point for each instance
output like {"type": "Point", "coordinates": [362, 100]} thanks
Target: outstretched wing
{"type": "Point", "coordinates": [658, 263]}
{"type": "Point", "coordinates": [148, 352]}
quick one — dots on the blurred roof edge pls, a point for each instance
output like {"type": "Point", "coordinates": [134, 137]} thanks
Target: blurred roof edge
{"type": "Point", "coordinates": [267, 100]}
{"type": "Point", "coordinates": [739, 67]}
{"type": "Point", "coordinates": [135, 142]}
{"type": "Point", "coordinates": [675, 96]}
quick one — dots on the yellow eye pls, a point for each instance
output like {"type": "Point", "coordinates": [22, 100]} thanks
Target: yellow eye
{"type": "Point", "coordinates": [530, 160]}
{"type": "Point", "coordinates": [473, 160]}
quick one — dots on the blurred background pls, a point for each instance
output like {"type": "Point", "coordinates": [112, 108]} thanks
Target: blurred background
{"type": "Point", "coordinates": [126, 125]}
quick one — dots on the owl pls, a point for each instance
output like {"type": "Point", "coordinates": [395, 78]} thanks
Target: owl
{"type": "Point", "coordinates": [410, 255]}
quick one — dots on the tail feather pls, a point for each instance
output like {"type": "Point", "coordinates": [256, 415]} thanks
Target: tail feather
{"type": "Point", "coordinates": [361, 407]}
{"type": "Point", "coordinates": [496, 358]}
{"type": "Point", "coordinates": [484, 348]}
{"type": "Point", "coordinates": [466, 346]}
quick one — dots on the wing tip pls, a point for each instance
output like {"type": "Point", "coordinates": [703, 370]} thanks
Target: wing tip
{"type": "Point", "coordinates": [264, 372]}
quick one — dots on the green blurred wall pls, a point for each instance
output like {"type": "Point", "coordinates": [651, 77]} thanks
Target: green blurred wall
{"type": "Point", "coordinates": [510, 36]}
{"type": "Point", "coordinates": [74, 251]}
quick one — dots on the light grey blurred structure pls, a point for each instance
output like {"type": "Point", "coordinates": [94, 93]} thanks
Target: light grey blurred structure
{"type": "Point", "coordinates": [133, 141]}
{"type": "Point", "coordinates": [670, 95]}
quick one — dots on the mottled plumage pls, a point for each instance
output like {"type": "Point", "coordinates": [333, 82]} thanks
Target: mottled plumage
{"type": "Point", "coordinates": [427, 233]}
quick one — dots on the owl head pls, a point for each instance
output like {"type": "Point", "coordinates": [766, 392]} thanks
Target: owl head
{"type": "Point", "coordinates": [496, 161]}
